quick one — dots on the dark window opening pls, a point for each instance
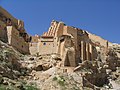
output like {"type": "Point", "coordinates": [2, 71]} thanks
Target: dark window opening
{"type": "Point", "coordinates": [44, 43]}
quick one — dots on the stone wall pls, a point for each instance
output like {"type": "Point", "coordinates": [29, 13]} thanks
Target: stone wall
{"type": "Point", "coordinates": [84, 48]}
{"type": "Point", "coordinates": [16, 41]}
{"type": "Point", "coordinates": [100, 42]}
{"type": "Point", "coordinates": [98, 39]}
{"type": "Point", "coordinates": [47, 45]}
{"type": "Point", "coordinates": [3, 32]}
{"type": "Point", "coordinates": [59, 29]}
{"type": "Point", "coordinates": [5, 14]}
{"type": "Point", "coordinates": [79, 42]}
{"type": "Point", "coordinates": [73, 33]}
{"type": "Point", "coordinates": [67, 51]}
{"type": "Point", "coordinates": [11, 30]}
{"type": "Point", "coordinates": [34, 39]}
{"type": "Point", "coordinates": [33, 48]}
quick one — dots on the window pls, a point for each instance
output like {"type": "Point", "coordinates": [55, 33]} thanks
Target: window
{"type": "Point", "coordinates": [44, 43]}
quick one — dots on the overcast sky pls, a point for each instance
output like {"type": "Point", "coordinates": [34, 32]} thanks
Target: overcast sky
{"type": "Point", "coordinates": [100, 17]}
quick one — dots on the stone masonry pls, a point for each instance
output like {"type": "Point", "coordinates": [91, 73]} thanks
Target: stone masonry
{"type": "Point", "coordinates": [72, 44]}
{"type": "Point", "coordinates": [12, 31]}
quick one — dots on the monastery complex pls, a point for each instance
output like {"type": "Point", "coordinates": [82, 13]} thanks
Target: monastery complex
{"type": "Point", "coordinates": [71, 44]}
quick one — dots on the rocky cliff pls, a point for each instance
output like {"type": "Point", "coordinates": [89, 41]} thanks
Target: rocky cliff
{"type": "Point", "coordinates": [43, 72]}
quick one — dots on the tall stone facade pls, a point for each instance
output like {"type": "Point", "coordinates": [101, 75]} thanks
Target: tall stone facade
{"type": "Point", "coordinates": [71, 44]}
{"type": "Point", "coordinates": [12, 32]}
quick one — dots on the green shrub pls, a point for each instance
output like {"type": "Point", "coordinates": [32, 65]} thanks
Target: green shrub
{"type": "Point", "coordinates": [55, 78]}
{"type": "Point", "coordinates": [28, 87]}
{"type": "Point", "coordinates": [2, 87]}
{"type": "Point", "coordinates": [60, 80]}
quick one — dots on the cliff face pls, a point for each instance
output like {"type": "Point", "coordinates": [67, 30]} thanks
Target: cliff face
{"type": "Point", "coordinates": [20, 71]}
{"type": "Point", "coordinates": [81, 61]}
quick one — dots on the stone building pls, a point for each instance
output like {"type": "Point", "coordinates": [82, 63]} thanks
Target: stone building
{"type": "Point", "coordinates": [12, 32]}
{"type": "Point", "coordinates": [71, 44]}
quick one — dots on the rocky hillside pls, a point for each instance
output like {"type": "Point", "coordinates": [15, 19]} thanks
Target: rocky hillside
{"type": "Point", "coordinates": [11, 69]}
{"type": "Point", "coordinates": [36, 72]}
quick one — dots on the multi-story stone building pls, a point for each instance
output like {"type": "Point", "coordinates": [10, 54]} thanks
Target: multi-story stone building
{"type": "Point", "coordinates": [73, 45]}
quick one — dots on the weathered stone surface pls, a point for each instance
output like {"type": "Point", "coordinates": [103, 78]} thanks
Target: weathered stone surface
{"type": "Point", "coordinates": [64, 58]}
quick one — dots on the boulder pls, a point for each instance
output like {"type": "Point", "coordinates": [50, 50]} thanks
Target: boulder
{"type": "Point", "coordinates": [39, 68]}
